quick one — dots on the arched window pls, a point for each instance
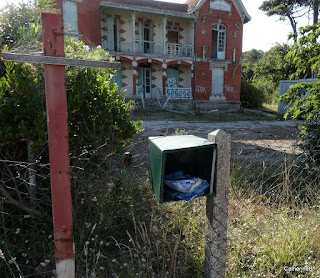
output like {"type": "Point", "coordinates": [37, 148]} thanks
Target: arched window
{"type": "Point", "coordinates": [219, 35]}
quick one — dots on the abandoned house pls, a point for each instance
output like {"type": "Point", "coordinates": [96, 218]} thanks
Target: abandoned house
{"type": "Point", "coordinates": [187, 53]}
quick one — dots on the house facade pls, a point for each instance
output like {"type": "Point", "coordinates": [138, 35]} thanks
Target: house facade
{"type": "Point", "coordinates": [187, 53]}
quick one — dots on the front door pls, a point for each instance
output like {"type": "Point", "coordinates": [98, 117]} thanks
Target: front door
{"type": "Point", "coordinates": [217, 81]}
{"type": "Point", "coordinates": [145, 81]}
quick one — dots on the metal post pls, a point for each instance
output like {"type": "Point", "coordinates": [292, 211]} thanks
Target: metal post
{"type": "Point", "coordinates": [217, 210]}
{"type": "Point", "coordinates": [164, 23]}
{"type": "Point", "coordinates": [133, 17]}
{"type": "Point", "coordinates": [53, 44]}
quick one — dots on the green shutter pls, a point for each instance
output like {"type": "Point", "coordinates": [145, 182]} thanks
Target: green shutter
{"type": "Point", "coordinates": [140, 36]}
{"type": "Point", "coordinates": [171, 73]}
{"type": "Point", "coordinates": [110, 34]}
{"type": "Point", "coordinates": [118, 78]}
{"type": "Point", "coordinates": [140, 76]}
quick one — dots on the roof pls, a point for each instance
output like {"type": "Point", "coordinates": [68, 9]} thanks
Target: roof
{"type": "Point", "coordinates": [195, 5]}
{"type": "Point", "coordinates": [150, 4]}
{"type": "Point", "coordinates": [189, 7]}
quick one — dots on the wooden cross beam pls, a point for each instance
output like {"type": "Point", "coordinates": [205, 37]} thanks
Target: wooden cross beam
{"type": "Point", "coordinates": [58, 135]}
{"type": "Point", "coordinates": [50, 60]}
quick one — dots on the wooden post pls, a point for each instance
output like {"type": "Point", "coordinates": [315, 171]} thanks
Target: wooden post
{"type": "Point", "coordinates": [56, 96]}
{"type": "Point", "coordinates": [217, 209]}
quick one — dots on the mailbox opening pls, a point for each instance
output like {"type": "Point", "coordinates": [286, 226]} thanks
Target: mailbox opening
{"type": "Point", "coordinates": [193, 163]}
{"type": "Point", "coordinates": [181, 167]}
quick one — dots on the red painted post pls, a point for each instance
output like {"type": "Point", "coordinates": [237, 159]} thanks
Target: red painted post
{"type": "Point", "coordinates": [56, 96]}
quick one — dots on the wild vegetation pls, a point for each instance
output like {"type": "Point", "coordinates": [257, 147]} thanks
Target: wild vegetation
{"type": "Point", "coordinates": [119, 229]}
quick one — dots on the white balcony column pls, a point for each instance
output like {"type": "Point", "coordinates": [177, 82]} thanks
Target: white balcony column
{"type": "Point", "coordinates": [133, 16]}
{"type": "Point", "coordinates": [164, 21]}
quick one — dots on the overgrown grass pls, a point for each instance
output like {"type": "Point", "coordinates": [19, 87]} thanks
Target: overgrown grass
{"type": "Point", "coordinates": [121, 231]}
{"type": "Point", "coordinates": [213, 117]}
{"type": "Point", "coordinates": [270, 107]}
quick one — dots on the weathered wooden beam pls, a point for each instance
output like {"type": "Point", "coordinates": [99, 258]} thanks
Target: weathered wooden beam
{"type": "Point", "coordinates": [50, 60]}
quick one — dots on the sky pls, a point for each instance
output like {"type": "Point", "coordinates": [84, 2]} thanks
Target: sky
{"type": "Point", "coordinates": [261, 33]}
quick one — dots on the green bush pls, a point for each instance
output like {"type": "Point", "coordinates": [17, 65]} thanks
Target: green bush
{"type": "Point", "coordinates": [250, 96]}
{"type": "Point", "coordinates": [97, 111]}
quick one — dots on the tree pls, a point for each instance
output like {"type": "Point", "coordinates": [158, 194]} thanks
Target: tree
{"type": "Point", "coordinates": [249, 61]}
{"type": "Point", "coordinates": [16, 20]}
{"type": "Point", "coordinates": [98, 117]}
{"type": "Point", "coordinates": [286, 9]}
{"type": "Point", "coordinates": [273, 66]}
{"type": "Point", "coordinates": [303, 99]}
{"type": "Point", "coordinates": [265, 70]}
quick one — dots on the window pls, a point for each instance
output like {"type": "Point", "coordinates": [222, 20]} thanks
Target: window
{"type": "Point", "coordinates": [218, 41]}
{"type": "Point", "coordinates": [172, 78]}
{"type": "Point", "coordinates": [113, 33]}
{"type": "Point", "coordinates": [173, 34]}
{"type": "Point", "coordinates": [145, 37]}
{"type": "Point", "coordinates": [145, 80]}
{"type": "Point", "coordinates": [70, 17]}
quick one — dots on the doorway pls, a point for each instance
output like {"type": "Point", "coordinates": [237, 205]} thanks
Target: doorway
{"type": "Point", "coordinates": [144, 82]}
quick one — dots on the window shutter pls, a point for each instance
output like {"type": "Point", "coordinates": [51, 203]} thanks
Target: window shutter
{"type": "Point", "coordinates": [118, 78]}
{"type": "Point", "coordinates": [110, 33]}
{"type": "Point", "coordinates": [70, 17]}
{"type": "Point", "coordinates": [140, 36]}
{"type": "Point", "coordinates": [118, 34]}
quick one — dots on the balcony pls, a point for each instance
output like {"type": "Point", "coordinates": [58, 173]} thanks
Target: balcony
{"type": "Point", "coordinates": [178, 49]}
{"type": "Point", "coordinates": [155, 48]}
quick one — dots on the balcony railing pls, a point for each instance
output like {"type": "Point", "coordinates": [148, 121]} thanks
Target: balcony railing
{"type": "Point", "coordinates": [153, 47]}
{"type": "Point", "coordinates": [178, 93]}
{"type": "Point", "coordinates": [178, 49]}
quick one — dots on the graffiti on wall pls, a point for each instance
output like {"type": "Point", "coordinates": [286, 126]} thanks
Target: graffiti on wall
{"type": "Point", "coordinates": [201, 90]}
{"type": "Point", "coordinates": [231, 90]}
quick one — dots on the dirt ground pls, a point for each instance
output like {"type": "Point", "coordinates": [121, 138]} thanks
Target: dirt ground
{"type": "Point", "coordinates": [265, 140]}
{"type": "Point", "coordinates": [272, 132]}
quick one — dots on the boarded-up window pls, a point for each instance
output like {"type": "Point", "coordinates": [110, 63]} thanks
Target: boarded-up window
{"type": "Point", "coordinates": [70, 17]}
{"type": "Point", "coordinates": [217, 81]}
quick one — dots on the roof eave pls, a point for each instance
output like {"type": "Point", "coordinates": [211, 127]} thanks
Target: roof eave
{"type": "Point", "coordinates": [238, 4]}
{"type": "Point", "coordinates": [138, 9]}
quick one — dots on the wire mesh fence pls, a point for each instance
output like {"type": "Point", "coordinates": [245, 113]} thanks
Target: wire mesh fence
{"type": "Point", "coordinates": [120, 231]}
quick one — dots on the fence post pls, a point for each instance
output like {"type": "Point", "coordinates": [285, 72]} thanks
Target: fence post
{"type": "Point", "coordinates": [217, 209]}
{"type": "Point", "coordinates": [56, 96]}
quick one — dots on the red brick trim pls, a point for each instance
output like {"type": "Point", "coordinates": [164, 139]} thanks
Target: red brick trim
{"type": "Point", "coordinates": [172, 63]}
{"type": "Point", "coordinates": [125, 59]}
{"type": "Point", "coordinates": [156, 62]}
{"type": "Point", "coordinates": [186, 64]}
{"type": "Point", "coordinates": [145, 60]}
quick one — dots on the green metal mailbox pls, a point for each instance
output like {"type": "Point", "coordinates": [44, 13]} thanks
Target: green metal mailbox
{"type": "Point", "coordinates": [193, 155]}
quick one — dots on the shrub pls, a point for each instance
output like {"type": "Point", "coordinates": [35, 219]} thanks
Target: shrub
{"type": "Point", "coordinates": [250, 96]}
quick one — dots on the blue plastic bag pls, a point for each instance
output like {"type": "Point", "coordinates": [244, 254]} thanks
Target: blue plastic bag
{"type": "Point", "coordinates": [183, 187]}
